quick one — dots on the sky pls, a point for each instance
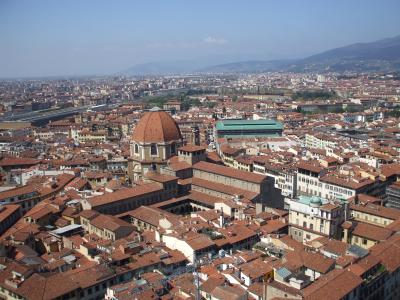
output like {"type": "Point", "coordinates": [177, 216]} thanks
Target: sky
{"type": "Point", "coordinates": [94, 37]}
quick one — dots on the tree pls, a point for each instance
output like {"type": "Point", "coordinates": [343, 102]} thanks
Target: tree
{"type": "Point", "coordinates": [188, 103]}
{"type": "Point", "coordinates": [211, 104]}
{"type": "Point", "coordinates": [309, 95]}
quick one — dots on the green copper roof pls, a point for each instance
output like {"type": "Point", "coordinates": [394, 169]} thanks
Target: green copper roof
{"type": "Point", "coordinates": [248, 125]}
{"type": "Point", "coordinates": [307, 200]}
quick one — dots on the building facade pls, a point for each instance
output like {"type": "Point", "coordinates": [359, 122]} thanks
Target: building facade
{"type": "Point", "coordinates": [314, 217]}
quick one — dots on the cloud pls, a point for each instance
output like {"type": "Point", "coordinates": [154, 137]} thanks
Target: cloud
{"type": "Point", "coordinates": [214, 40]}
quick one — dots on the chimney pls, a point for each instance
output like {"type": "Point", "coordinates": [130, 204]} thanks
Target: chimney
{"type": "Point", "coordinates": [239, 272]}
{"type": "Point", "coordinates": [221, 219]}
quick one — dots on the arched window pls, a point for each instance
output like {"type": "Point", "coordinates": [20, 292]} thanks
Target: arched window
{"type": "Point", "coordinates": [153, 149]}
{"type": "Point", "coordinates": [136, 148]}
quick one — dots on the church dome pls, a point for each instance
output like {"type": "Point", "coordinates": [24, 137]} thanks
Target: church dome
{"type": "Point", "coordinates": [156, 127]}
{"type": "Point", "coordinates": [315, 201]}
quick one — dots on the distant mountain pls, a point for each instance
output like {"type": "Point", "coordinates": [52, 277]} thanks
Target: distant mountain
{"type": "Point", "coordinates": [160, 68]}
{"type": "Point", "coordinates": [382, 55]}
{"type": "Point", "coordinates": [248, 66]}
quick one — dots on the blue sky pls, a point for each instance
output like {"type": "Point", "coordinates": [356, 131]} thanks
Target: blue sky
{"type": "Point", "coordinates": [76, 37]}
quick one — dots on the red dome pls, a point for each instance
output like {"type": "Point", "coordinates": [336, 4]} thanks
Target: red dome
{"type": "Point", "coordinates": [156, 127]}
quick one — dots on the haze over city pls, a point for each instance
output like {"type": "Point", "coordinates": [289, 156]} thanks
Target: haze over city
{"type": "Point", "coordinates": [53, 38]}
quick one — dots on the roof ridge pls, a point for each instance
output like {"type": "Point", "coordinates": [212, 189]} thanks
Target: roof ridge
{"type": "Point", "coordinates": [145, 125]}
{"type": "Point", "coordinates": [162, 113]}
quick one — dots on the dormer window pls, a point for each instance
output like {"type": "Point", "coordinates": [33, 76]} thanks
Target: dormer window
{"type": "Point", "coordinates": [136, 148]}
{"type": "Point", "coordinates": [153, 149]}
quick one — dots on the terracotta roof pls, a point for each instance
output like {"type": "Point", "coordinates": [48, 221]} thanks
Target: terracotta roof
{"type": "Point", "coordinates": [18, 161]}
{"type": "Point", "coordinates": [7, 210]}
{"type": "Point", "coordinates": [109, 222]}
{"type": "Point", "coordinates": [77, 183]}
{"type": "Point", "coordinates": [198, 241]}
{"type": "Point", "coordinates": [212, 282]}
{"type": "Point", "coordinates": [179, 166]}
{"type": "Point", "coordinates": [256, 268]}
{"type": "Point", "coordinates": [96, 174]}
{"type": "Point", "coordinates": [273, 226]}
{"type": "Point", "coordinates": [388, 252]}
{"type": "Point", "coordinates": [363, 199]}
{"type": "Point", "coordinates": [19, 191]}
{"type": "Point", "coordinates": [234, 292]}
{"type": "Point", "coordinates": [222, 188]}
{"type": "Point", "coordinates": [236, 233]}
{"type": "Point", "coordinates": [390, 169]}
{"type": "Point", "coordinates": [202, 197]}
{"type": "Point", "coordinates": [345, 260]}
{"type": "Point", "coordinates": [49, 287]}
{"type": "Point", "coordinates": [192, 148]}
{"type": "Point", "coordinates": [205, 199]}
{"type": "Point", "coordinates": [155, 127]}
{"type": "Point", "coordinates": [229, 172]}
{"type": "Point", "coordinates": [151, 215]}
{"type": "Point", "coordinates": [227, 149]}
{"type": "Point", "coordinates": [372, 232]}
{"type": "Point", "coordinates": [349, 183]}
{"type": "Point", "coordinates": [310, 260]}
{"type": "Point", "coordinates": [328, 207]}
{"type": "Point", "coordinates": [160, 177]}
{"type": "Point", "coordinates": [364, 265]}
{"type": "Point", "coordinates": [213, 156]}
{"type": "Point", "coordinates": [333, 246]}
{"type": "Point", "coordinates": [377, 210]}
{"type": "Point", "coordinates": [124, 194]}
{"type": "Point", "coordinates": [334, 285]}
{"type": "Point", "coordinates": [88, 214]}
{"type": "Point", "coordinates": [313, 167]}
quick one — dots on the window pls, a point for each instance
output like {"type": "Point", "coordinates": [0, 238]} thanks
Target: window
{"type": "Point", "coordinates": [173, 148]}
{"type": "Point", "coordinates": [136, 148]}
{"type": "Point", "coordinates": [365, 241]}
{"type": "Point", "coordinates": [153, 149]}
